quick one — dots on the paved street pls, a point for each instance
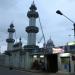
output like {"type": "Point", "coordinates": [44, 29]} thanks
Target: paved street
{"type": "Point", "coordinates": [6, 71]}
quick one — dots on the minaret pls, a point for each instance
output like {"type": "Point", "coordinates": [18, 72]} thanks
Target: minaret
{"type": "Point", "coordinates": [10, 41]}
{"type": "Point", "coordinates": [32, 29]}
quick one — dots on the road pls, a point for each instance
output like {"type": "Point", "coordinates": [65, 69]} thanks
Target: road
{"type": "Point", "coordinates": [6, 71]}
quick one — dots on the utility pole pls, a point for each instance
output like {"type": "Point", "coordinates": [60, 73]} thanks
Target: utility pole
{"type": "Point", "coordinates": [60, 13]}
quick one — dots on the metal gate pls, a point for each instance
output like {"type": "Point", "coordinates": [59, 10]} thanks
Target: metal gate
{"type": "Point", "coordinates": [52, 63]}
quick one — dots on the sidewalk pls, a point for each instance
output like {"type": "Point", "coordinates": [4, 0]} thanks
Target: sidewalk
{"type": "Point", "coordinates": [48, 73]}
{"type": "Point", "coordinates": [65, 73]}
{"type": "Point", "coordinates": [40, 72]}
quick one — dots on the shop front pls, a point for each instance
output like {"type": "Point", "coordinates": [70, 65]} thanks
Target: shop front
{"type": "Point", "coordinates": [66, 61]}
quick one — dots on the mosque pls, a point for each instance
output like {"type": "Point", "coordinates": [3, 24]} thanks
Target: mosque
{"type": "Point", "coordinates": [29, 56]}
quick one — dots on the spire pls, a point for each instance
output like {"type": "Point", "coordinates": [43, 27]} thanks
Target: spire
{"type": "Point", "coordinates": [33, 2]}
{"type": "Point", "coordinates": [33, 7]}
{"type": "Point", "coordinates": [11, 25]}
{"type": "Point", "coordinates": [32, 12]}
{"type": "Point", "coordinates": [20, 39]}
{"type": "Point", "coordinates": [11, 29]}
{"type": "Point", "coordinates": [50, 40]}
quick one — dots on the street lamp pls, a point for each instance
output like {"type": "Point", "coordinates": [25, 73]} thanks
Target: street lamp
{"type": "Point", "coordinates": [60, 13]}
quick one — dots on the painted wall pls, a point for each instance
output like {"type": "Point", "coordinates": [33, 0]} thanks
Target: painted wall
{"type": "Point", "coordinates": [19, 61]}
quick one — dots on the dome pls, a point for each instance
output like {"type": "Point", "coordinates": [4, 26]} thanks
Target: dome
{"type": "Point", "coordinates": [50, 42]}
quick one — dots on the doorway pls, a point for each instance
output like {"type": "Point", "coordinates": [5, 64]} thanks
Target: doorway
{"type": "Point", "coordinates": [52, 63]}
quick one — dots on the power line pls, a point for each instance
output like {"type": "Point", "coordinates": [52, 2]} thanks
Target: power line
{"type": "Point", "coordinates": [42, 31]}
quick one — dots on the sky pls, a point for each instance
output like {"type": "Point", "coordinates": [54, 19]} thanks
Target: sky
{"type": "Point", "coordinates": [55, 26]}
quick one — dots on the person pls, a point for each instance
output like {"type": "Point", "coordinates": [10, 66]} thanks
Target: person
{"type": "Point", "coordinates": [35, 65]}
{"type": "Point", "coordinates": [42, 66]}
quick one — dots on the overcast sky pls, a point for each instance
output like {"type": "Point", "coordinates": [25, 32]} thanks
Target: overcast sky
{"type": "Point", "coordinates": [54, 25]}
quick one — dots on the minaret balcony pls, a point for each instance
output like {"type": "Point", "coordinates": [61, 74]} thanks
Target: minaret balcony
{"type": "Point", "coordinates": [8, 53]}
{"type": "Point", "coordinates": [10, 40]}
{"type": "Point", "coordinates": [31, 47]}
{"type": "Point", "coordinates": [32, 29]}
{"type": "Point", "coordinates": [31, 14]}
{"type": "Point", "coordinates": [11, 30]}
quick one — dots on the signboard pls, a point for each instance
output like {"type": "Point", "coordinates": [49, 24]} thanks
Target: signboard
{"type": "Point", "coordinates": [57, 50]}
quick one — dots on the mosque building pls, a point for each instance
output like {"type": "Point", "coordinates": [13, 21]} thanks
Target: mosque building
{"type": "Point", "coordinates": [24, 57]}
